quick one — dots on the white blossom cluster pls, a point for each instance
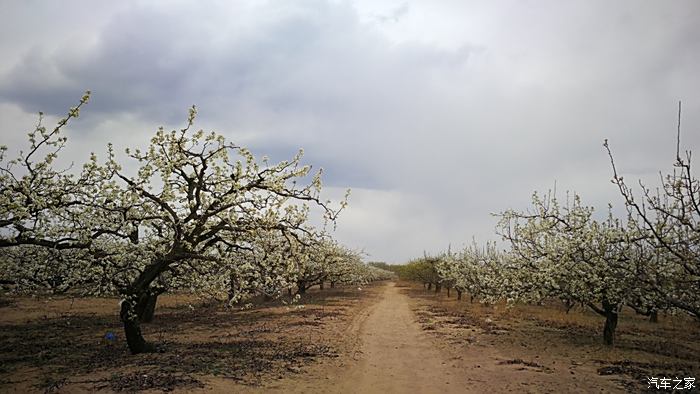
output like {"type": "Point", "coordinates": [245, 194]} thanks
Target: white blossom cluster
{"type": "Point", "coordinates": [562, 252]}
{"type": "Point", "coordinates": [199, 214]}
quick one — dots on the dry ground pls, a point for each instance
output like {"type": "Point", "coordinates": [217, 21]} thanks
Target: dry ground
{"type": "Point", "coordinates": [57, 345]}
{"type": "Point", "coordinates": [543, 349]}
{"type": "Point", "coordinates": [385, 338]}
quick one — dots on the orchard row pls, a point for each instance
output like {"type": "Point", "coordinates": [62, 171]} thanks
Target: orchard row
{"type": "Point", "coordinates": [648, 260]}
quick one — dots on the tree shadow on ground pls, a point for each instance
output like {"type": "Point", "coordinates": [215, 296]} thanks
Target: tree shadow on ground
{"type": "Point", "coordinates": [247, 346]}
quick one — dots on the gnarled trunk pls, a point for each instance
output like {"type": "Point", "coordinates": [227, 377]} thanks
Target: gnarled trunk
{"type": "Point", "coordinates": [132, 328]}
{"type": "Point", "coordinates": [459, 294]}
{"type": "Point", "coordinates": [611, 317]}
{"type": "Point", "coordinates": [610, 326]}
{"type": "Point", "coordinates": [146, 307]}
{"type": "Point", "coordinates": [136, 300]}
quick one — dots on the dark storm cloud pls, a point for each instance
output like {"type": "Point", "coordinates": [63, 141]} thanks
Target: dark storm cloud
{"type": "Point", "coordinates": [134, 65]}
{"type": "Point", "coordinates": [158, 61]}
{"type": "Point", "coordinates": [301, 75]}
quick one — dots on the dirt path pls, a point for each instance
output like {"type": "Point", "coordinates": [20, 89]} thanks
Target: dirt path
{"type": "Point", "coordinates": [384, 338]}
{"type": "Point", "coordinates": [397, 356]}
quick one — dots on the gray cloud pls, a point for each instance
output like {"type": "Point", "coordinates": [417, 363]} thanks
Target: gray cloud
{"type": "Point", "coordinates": [437, 113]}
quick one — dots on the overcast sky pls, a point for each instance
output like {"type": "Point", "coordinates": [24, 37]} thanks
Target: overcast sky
{"type": "Point", "coordinates": [435, 113]}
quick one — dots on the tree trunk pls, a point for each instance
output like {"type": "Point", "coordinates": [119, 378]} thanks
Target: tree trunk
{"type": "Point", "coordinates": [231, 287]}
{"type": "Point", "coordinates": [568, 304]}
{"type": "Point", "coordinates": [148, 309]}
{"type": "Point", "coordinates": [289, 291]}
{"type": "Point", "coordinates": [654, 316]}
{"type": "Point", "coordinates": [438, 287]}
{"type": "Point", "coordinates": [430, 286]}
{"type": "Point", "coordinates": [459, 295]}
{"type": "Point", "coordinates": [471, 298]}
{"type": "Point", "coordinates": [610, 326]}
{"type": "Point", "coordinates": [138, 293]}
{"type": "Point", "coordinates": [332, 285]}
{"type": "Point", "coordinates": [448, 292]}
{"type": "Point", "coordinates": [301, 287]}
{"type": "Point", "coordinates": [320, 286]}
{"type": "Point", "coordinates": [610, 323]}
{"type": "Point", "coordinates": [132, 329]}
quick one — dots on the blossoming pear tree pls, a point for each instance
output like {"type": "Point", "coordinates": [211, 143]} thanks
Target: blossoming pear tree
{"type": "Point", "coordinates": [421, 270]}
{"type": "Point", "coordinates": [39, 203]}
{"type": "Point", "coordinates": [197, 212]}
{"type": "Point", "coordinates": [669, 217]}
{"type": "Point", "coordinates": [197, 200]}
{"type": "Point", "coordinates": [474, 270]}
{"type": "Point", "coordinates": [44, 236]}
{"type": "Point", "coordinates": [563, 252]}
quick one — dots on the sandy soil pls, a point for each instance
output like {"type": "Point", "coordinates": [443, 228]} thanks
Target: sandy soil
{"type": "Point", "coordinates": [384, 338]}
{"type": "Point", "coordinates": [530, 348]}
{"type": "Point", "coordinates": [395, 356]}
{"type": "Point", "coordinates": [414, 341]}
{"type": "Point", "coordinates": [57, 345]}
